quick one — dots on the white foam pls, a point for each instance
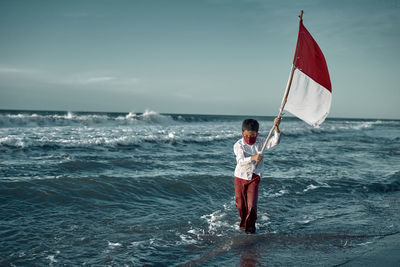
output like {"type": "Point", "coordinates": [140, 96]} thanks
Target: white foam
{"type": "Point", "coordinates": [113, 245]}
{"type": "Point", "coordinates": [309, 218]}
{"type": "Point", "coordinates": [106, 136]}
{"type": "Point", "coordinates": [310, 187]}
{"type": "Point", "coordinates": [152, 116]}
{"type": "Point", "coordinates": [264, 217]}
{"type": "Point", "coordinates": [69, 115]}
{"type": "Point", "coordinates": [13, 141]}
{"type": "Point", "coordinates": [365, 243]}
{"type": "Point", "coordinates": [263, 220]}
{"type": "Point", "coordinates": [351, 125]}
{"type": "Point", "coordinates": [313, 187]}
{"type": "Point", "coordinates": [214, 220]}
{"type": "Point", "coordinates": [277, 194]}
{"type": "Point", "coordinates": [186, 240]}
{"type": "Point", "coordinates": [218, 219]}
{"type": "Point", "coordinates": [131, 115]}
{"type": "Point", "coordinates": [70, 118]}
{"type": "Point", "coordinates": [192, 231]}
{"type": "Point", "coordinates": [137, 244]}
{"type": "Point", "coordinates": [196, 233]}
{"type": "Point", "coordinates": [51, 258]}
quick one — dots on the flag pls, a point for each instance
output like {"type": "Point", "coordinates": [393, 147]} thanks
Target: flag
{"type": "Point", "coordinates": [310, 90]}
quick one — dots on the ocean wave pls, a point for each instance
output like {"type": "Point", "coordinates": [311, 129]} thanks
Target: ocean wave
{"type": "Point", "coordinates": [63, 118]}
{"type": "Point", "coordinates": [43, 119]}
{"type": "Point", "coordinates": [148, 116]}
{"type": "Point", "coordinates": [385, 184]}
{"type": "Point", "coordinates": [391, 184]}
{"type": "Point", "coordinates": [297, 128]}
{"type": "Point", "coordinates": [357, 125]}
{"type": "Point", "coordinates": [98, 140]}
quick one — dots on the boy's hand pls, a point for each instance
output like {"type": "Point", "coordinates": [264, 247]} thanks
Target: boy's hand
{"type": "Point", "coordinates": [277, 121]}
{"type": "Point", "coordinates": [257, 158]}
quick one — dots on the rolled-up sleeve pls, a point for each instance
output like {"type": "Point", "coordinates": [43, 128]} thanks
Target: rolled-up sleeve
{"type": "Point", "coordinates": [240, 158]}
{"type": "Point", "coordinates": [274, 140]}
{"type": "Point", "coordinates": [244, 167]}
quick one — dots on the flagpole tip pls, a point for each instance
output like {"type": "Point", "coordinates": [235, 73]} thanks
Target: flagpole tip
{"type": "Point", "coordinates": [301, 15]}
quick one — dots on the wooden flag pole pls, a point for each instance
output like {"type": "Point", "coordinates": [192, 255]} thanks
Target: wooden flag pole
{"type": "Point", "coordinates": [285, 96]}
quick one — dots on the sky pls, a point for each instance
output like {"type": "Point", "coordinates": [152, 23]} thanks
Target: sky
{"type": "Point", "coordinates": [230, 57]}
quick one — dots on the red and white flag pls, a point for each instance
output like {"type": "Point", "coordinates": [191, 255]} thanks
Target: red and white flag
{"type": "Point", "coordinates": [310, 92]}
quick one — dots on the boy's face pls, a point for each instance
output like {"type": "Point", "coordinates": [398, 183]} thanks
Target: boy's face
{"type": "Point", "coordinates": [249, 133]}
{"type": "Point", "coordinates": [250, 137]}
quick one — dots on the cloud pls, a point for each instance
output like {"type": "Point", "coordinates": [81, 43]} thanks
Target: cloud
{"type": "Point", "coordinates": [103, 79]}
{"type": "Point", "coordinates": [98, 80]}
{"type": "Point", "coordinates": [13, 70]}
{"type": "Point", "coordinates": [15, 76]}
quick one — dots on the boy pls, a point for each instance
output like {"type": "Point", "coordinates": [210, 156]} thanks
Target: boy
{"type": "Point", "coordinates": [248, 171]}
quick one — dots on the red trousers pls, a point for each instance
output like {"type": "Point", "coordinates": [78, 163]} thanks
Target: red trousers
{"type": "Point", "coordinates": [246, 195]}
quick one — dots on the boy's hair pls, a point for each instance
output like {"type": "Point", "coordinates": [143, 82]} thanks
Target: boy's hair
{"type": "Point", "coordinates": [250, 125]}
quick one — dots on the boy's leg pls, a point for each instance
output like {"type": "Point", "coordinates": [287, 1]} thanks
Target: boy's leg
{"type": "Point", "coordinates": [240, 200]}
{"type": "Point", "coordinates": [252, 197]}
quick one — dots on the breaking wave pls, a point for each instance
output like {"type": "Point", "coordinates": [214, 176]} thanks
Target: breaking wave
{"type": "Point", "coordinates": [111, 138]}
{"type": "Point", "coordinates": [40, 119]}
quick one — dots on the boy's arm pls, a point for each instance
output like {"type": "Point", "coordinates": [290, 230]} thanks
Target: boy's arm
{"type": "Point", "coordinates": [244, 167]}
{"type": "Point", "coordinates": [275, 139]}
{"type": "Point", "coordinates": [257, 158]}
{"type": "Point", "coordinates": [242, 160]}
{"type": "Point", "coordinates": [277, 121]}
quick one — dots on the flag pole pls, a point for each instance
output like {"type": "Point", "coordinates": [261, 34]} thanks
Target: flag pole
{"type": "Point", "coordinates": [285, 96]}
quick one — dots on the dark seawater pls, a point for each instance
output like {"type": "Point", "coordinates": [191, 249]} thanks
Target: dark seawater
{"type": "Point", "coordinates": [113, 189]}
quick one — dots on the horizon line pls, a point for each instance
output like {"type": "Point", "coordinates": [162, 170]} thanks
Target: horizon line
{"type": "Point", "coordinates": [288, 115]}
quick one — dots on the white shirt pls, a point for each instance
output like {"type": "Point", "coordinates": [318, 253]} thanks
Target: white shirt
{"type": "Point", "coordinates": [244, 167]}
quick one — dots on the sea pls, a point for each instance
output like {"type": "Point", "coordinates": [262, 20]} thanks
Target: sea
{"type": "Point", "coordinates": [151, 189]}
